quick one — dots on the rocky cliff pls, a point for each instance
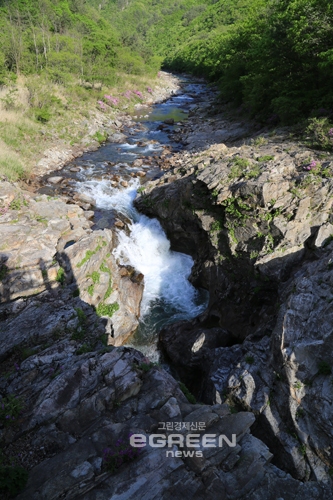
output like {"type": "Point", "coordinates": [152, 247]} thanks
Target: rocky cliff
{"type": "Point", "coordinates": [70, 399]}
{"type": "Point", "coordinates": [257, 218]}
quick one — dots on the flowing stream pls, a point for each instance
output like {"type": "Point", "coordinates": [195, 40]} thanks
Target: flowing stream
{"type": "Point", "coordinates": [168, 295]}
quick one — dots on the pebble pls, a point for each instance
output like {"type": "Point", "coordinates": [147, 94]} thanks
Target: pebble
{"type": "Point", "coordinates": [55, 180]}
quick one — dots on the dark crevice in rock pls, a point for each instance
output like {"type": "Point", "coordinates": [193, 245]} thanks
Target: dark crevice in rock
{"type": "Point", "coordinates": [188, 347]}
{"type": "Point", "coordinates": [254, 244]}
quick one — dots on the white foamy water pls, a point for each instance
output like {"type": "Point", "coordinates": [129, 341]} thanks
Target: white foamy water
{"type": "Point", "coordinates": [110, 198]}
{"type": "Point", "coordinates": [147, 249]}
{"type": "Point", "coordinates": [165, 272]}
{"type": "Point", "coordinates": [183, 97]}
{"type": "Point", "coordinates": [152, 148]}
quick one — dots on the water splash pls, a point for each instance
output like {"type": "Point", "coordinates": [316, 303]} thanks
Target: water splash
{"type": "Point", "coordinates": [168, 295]}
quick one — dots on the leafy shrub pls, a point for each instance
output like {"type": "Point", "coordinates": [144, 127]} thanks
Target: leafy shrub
{"type": "Point", "coordinates": [131, 63]}
{"type": "Point", "coordinates": [89, 254]}
{"type": "Point", "coordinates": [122, 453]}
{"type": "Point", "coordinates": [233, 207]}
{"type": "Point", "coordinates": [95, 276]}
{"type": "Point", "coordinates": [84, 349]}
{"type": "Point", "coordinates": [81, 315]}
{"type": "Point", "coordinates": [238, 167]}
{"type": "Point", "coordinates": [187, 394]}
{"type": "Point", "coordinates": [265, 158]}
{"type": "Point", "coordinates": [324, 368]}
{"type": "Point", "coordinates": [145, 367]}
{"type": "Point", "coordinates": [104, 268]}
{"type": "Point", "coordinates": [16, 204]}
{"type": "Point", "coordinates": [253, 172]}
{"type": "Point", "coordinates": [319, 133]}
{"type": "Point", "coordinates": [12, 479]}
{"type": "Point", "coordinates": [100, 137]}
{"type": "Point", "coordinates": [43, 115]}
{"type": "Point", "coordinates": [60, 278]}
{"type": "Point", "coordinates": [10, 409]}
{"type": "Point", "coordinates": [107, 309]}
{"type": "Point", "coordinates": [109, 290]}
{"type": "Point", "coordinates": [302, 449]}
{"type": "Point", "coordinates": [259, 141]}
{"type": "Point", "coordinates": [216, 226]}
{"type": "Point", "coordinates": [241, 162]}
{"type": "Point", "coordinates": [9, 100]}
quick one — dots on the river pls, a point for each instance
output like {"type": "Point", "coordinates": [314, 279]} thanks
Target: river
{"type": "Point", "coordinates": [168, 295]}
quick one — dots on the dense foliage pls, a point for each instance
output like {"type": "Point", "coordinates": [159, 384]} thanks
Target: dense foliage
{"type": "Point", "coordinates": [279, 62]}
{"type": "Point", "coordinates": [64, 39]}
{"type": "Point", "coordinates": [273, 57]}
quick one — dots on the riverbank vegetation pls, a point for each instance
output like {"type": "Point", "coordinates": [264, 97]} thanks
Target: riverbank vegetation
{"type": "Point", "coordinates": [60, 62]}
{"type": "Point", "coordinates": [272, 59]}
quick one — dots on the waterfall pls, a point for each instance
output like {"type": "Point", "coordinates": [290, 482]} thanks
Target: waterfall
{"type": "Point", "coordinates": [168, 295]}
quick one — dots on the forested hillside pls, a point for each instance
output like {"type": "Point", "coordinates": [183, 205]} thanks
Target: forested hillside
{"type": "Point", "coordinates": [58, 59]}
{"type": "Point", "coordinates": [273, 57]}
{"type": "Point", "coordinates": [64, 39]}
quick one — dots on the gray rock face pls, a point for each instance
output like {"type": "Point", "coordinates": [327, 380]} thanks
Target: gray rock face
{"type": "Point", "coordinates": [55, 179]}
{"type": "Point", "coordinates": [76, 397]}
{"type": "Point", "coordinates": [259, 228]}
{"type": "Point", "coordinates": [46, 243]}
{"type": "Point", "coordinates": [73, 413]}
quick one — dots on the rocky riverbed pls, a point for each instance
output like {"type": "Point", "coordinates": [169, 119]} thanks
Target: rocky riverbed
{"type": "Point", "coordinates": [256, 218]}
{"type": "Point", "coordinates": [102, 123]}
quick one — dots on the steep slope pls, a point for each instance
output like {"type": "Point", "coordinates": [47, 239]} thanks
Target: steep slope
{"type": "Point", "coordinates": [257, 218]}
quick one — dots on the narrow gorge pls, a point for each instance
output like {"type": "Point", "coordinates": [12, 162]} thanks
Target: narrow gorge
{"type": "Point", "coordinates": [180, 274]}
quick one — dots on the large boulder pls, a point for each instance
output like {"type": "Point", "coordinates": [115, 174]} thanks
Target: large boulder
{"type": "Point", "coordinates": [47, 244]}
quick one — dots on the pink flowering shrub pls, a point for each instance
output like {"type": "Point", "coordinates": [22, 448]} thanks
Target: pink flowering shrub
{"type": "Point", "coordinates": [314, 165]}
{"type": "Point", "coordinates": [127, 94]}
{"type": "Point", "coordinates": [150, 90]}
{"type": "Point", "coordinates": [4, 210]}
{"type": "Point", "coordinates": [111, 100]}
{"type": "Point", "coordinates": [311, 166]}
{"type": "Point", "coordinates": [101, 105]}
{"type": "Point", "coordinates": [138, 93]}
